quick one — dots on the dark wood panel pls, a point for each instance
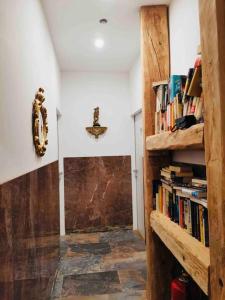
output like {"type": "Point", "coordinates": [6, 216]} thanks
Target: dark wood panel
{"type": "Point", "coordinates": [97, 192]}
{"type": "Point", "coordinates": [29, 234]}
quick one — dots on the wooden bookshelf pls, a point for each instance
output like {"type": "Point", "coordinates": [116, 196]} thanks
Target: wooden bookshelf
{"type": "Point", "coordinates": [191, 138]}
{"type": "Point", "coordinates": [165, 241]}
{"type": "Point", "coordinates": [155, 84]}
{"type": "Point", "coordinates": [190, 253]}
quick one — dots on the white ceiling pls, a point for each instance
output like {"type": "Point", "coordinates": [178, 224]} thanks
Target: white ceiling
{"type": "Point", "coordinates": [74, 25]}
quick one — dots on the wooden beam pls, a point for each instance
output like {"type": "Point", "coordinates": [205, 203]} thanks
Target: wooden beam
{"type": "Point", "coordinates": [191, 138]}
{"type": "Point", "coordinates": [191, 253]}
{"type": "Point", "coordinates": [155, 67]}
{"type": "Point", "coordinates": [212, 22]}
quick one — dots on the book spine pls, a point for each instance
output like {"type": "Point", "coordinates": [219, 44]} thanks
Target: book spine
{"type": "Point", "coordinates": [157, 202]}
{"type": "Point", "coordinates": [193, 223]}
{"type": "Point", "coordinates": [197, 223]}
{"type": "Point", "coordinates": [189, 221]}
{"type": "Point", "coordinates": [202, 239]}
{"type": "Point", "coordinates": [206, 227]}
{"type": "Point", "coordinates": [164, 201]}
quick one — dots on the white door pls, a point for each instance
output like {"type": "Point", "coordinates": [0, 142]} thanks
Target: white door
{"type": "Point", "coordinates": [139, 173]}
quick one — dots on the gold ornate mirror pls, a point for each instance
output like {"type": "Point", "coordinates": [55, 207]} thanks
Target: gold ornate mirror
{"type": "Point", "coordinates": [40, 124]}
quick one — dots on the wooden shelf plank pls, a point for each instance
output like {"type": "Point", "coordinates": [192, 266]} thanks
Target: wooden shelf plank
{"type": "Point", "coordinates": [157, 83]}
{"type": "Point", "coordinates": [191, 138]}
{"type": "Point", "coordinates": [191, 253]}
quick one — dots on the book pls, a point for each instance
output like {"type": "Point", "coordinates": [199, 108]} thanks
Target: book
{"type": "Point", "coordinates": [206, 227]}
{"type": "Point", "coordinates": [176, 85]}
{"type": "Point", "coordinates": [186, 214]}
{"type": "Point", "coordinates": [197, 222]}
{"type": "Point", "coordinates": [181, 212]}
{"type": "Point", "coordinates": [195, 88]}
{"type": "Point", "coordinates": [187, 84]}
{"type": "Point", "coordinates": [178, 201]}
{"type": "Point", "coordinates": [180, 96]}
{"type": "Point", "coordinates": [184, 174]}
{"type": "Point", "coordinates": [157, 202]}
{"type": "Point", "coordinates": [201, 201]}
{"type": "Point", "coordinates": [193, 106]}
{"type": "Point", "coordinates": [189, 224]}
{"type": "Point", "coordinates": [201, 225]}
{"type": "Point", "coordinates": [199, 194]}
{"type": "Point", "coordinates": [157, 122]}
{"type": "Point", "coordinates": [199, 181]}
{"type": "Point", "coordinates": [199, 109]}
{"type": "Point", "coordinates": [177, 168]}
{"type": "Point", "coordinates": [171, 174]}
{"type": "Point", "coordinates": [167, 187]}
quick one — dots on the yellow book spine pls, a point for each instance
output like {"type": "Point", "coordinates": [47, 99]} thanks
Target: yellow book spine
{"type": "Point", "coordinates": [160, 199]}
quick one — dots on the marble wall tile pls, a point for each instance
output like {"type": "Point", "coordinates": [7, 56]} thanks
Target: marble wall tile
{"type": "Point", "coordinates": [97, 192]}
{"type": "Point", "coordinates": [29, 234]}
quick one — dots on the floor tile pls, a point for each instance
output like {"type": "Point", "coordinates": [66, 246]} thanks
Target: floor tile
{"type": "Point", "coordinates": [117, 261]}
{"type": "Point", "coordinates": [132, 279]}
{"type": "Point", "coordinates": [101, 266]}
{"type": "Point", "coordinates": [82, 238]}
{"type": "Point", "coordinates": [80, 265]}
{"type": "Point", "coordinates": [132, 245]}
{"type": "Point", "coordinates": [118, 236]}
{"type": "Point", "coordinates": [94, 248]}
{"type": "Point", "coordinates": [140, 295]}
{"type": "Point", "coordinates": [91, 284]}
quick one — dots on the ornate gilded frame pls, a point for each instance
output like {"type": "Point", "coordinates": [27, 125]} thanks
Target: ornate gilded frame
{"type": "Point", "coordinates": [40, 132]}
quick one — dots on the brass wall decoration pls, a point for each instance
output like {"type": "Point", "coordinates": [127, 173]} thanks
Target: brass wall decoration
{"type": "Point", "coordinates": [96, 129]}
{"type": "Point", "coordinates": [40, 124]}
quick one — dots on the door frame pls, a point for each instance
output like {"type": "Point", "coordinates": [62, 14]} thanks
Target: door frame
{"type": "Point", "coordinates": [61, 175]}
{"type": "Point", "coordinates": [133, 168]}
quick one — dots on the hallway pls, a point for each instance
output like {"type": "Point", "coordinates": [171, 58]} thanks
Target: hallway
{"type": "Point", "coordinates": [104, 266]}
{"type": "Point", "coordinates": [104, 177]}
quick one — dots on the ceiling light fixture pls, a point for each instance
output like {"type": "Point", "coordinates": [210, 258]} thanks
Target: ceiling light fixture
{"type": "Point", "coordinates": [103, 21]}
{"type": "Point", "coordinates": [99, 43]}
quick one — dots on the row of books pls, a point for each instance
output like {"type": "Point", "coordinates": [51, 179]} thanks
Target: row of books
{"type": "Point", "coordinates": [180, 96]}
{"type": "Point", "coordinates": [182, 198]}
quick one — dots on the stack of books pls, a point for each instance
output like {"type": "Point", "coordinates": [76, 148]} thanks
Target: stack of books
{"type": "Point", "coordinates": [180, 96]}
{"type": "Point", "coordinates": [183, 199]}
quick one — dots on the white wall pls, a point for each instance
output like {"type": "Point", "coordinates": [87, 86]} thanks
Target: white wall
{"type": "Point", "coordinates": [135, 81]}
{"type": "Point", "coordinates": [27, 62]}
{"type": "Point", "coordinates": [184, 41]}
{"type": "Point", "coordinates": [81, 93]}
{"type": "Point", "coordinates": [184, 34]}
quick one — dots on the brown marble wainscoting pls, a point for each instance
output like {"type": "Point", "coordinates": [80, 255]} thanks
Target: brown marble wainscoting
{"type": "Point", "coordinates": [98, 192]}
{"type": "Point", "coordinates": [29, 234]}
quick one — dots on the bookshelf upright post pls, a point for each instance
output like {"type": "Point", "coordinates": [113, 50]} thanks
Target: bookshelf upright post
{"type": "Point", "coordinates": [212, 23]}
{"type": "Point", "coordinates": [155, 67]}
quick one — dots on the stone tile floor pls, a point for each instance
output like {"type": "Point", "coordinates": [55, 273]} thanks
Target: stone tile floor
{"type": "Point", "coordinates": [101, 266]}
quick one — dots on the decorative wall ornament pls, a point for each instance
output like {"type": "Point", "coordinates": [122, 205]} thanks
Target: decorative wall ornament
{"type": "Point", "coordinates": [96, 129]}
{"type": "Point", "coordinates": [40, 124]}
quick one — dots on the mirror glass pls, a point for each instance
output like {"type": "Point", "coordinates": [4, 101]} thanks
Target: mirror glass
{"type": "Point", "coordinates": [40, 129]}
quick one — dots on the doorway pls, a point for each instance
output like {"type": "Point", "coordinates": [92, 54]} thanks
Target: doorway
{"type": "Point", "coordinates": [139, 181]}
